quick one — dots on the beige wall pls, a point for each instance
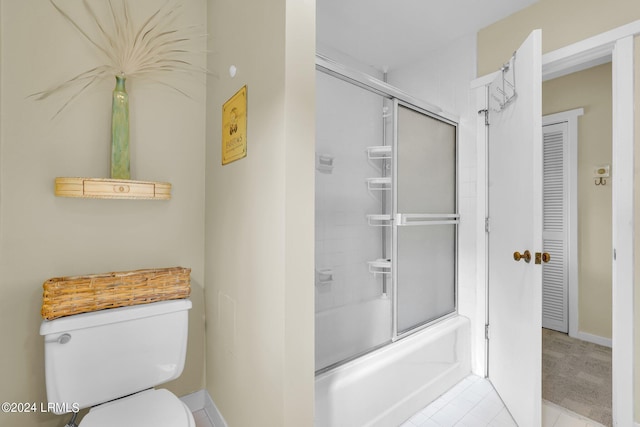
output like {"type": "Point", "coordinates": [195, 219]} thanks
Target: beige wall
{"type": "Point", "coordinates": [636, 243]}
{"type": "Point", "coordinates": [563, 22]}
{"type": "Point", "coordinates": [260, 209]}
{"type": "Point", "coordinates": [42, 236]}
{"type": "Point", "coordinates": [591, 90]}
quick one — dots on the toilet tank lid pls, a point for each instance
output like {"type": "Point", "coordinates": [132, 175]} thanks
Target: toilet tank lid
{"type": "Point", "coordinates": [112, 315]}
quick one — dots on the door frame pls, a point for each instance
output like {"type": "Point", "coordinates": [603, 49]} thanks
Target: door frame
{"type": "Point", "coordinates": [617, 46]}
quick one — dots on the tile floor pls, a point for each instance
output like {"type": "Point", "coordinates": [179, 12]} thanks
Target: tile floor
{"type": "Point", "coordinates": [577, 375]}
{"type": "Point", "coordinates": [474, 403]}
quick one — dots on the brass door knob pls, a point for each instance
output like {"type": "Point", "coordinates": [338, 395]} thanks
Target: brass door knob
{"type": "Point", "coordinates": [542, 257]}
{"type": "Point", "coordinates": [526, 256]}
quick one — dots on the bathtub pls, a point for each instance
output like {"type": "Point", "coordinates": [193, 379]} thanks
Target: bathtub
{"type": "Point", "coordinates": [386, 387]}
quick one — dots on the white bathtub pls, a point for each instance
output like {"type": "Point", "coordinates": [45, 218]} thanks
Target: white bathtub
{"type": "Point", "coordinates": [385, 387]}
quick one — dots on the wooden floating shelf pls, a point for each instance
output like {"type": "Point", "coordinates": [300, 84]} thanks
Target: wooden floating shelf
{"type": "Point", "coordinates": [102, 188]}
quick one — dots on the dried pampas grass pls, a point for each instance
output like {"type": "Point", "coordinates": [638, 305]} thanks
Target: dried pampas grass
{"type": "Point", "coordinates": [147, 51]}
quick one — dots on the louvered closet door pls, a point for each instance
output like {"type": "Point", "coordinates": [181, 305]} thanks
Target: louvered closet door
{"type": "Point", "coordinates": [554, 229]}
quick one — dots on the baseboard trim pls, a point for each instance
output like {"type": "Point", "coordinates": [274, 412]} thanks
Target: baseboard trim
{"type": "Point", "coordinates": [213, 412]}
{"type": "Point", "coordinates": [202, 400]}
{"type": "Point", "coordinates": [584, 336]}
{"type": "Point", "coordinates": [194, 401]}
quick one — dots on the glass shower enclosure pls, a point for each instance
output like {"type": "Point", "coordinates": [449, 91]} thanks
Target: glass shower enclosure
{"type": "Point", "coordinates": [386, 215]}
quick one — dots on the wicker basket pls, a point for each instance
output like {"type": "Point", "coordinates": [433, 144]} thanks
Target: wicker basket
{"type": "Point", "coordinates": [64, 296]}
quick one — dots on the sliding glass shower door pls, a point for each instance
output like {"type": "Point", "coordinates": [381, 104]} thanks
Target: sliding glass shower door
{"type": "Point", "coordinates": [353, 187]}
{"type": "Point", "coordinates": [386, 216]}
{"type": "Point", "coordinates": [425, 219]}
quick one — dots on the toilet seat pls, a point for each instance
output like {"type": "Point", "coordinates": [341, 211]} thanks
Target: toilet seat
{"type": "Point", "coordinates": [149, 408]}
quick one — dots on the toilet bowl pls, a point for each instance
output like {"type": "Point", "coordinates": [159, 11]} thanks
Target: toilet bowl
{"type": "Point", "coordinates": [110, 360]}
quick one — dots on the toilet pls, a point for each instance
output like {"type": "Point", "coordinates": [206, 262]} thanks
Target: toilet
{"type": "Point", "coordinates": [111, 360]}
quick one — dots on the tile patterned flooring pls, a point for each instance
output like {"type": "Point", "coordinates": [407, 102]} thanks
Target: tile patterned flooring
{"type": "Point", "coordinates": [474, 403]}
{"type": "Point", "coordinates": [577, 375]}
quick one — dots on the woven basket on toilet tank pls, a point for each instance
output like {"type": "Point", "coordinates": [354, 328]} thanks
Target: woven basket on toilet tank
{"type": "Point", "coordinates": [64, 296]}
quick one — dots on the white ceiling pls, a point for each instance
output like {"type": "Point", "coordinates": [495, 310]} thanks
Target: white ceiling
{"type": "Point", "coordinates": [390, 33]}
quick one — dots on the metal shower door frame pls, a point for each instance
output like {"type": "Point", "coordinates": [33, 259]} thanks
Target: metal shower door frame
{"type": "Point", "coordinates": [403, 219]}
{"type": "Point", "coordinates": [399, 97]}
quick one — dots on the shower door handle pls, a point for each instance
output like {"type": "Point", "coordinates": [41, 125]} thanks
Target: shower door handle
{"type": "Point", "coordinates": [426, 219]}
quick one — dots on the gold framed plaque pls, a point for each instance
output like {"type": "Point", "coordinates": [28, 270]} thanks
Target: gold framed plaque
{"type": "Point", "coordinates": [234, 127]}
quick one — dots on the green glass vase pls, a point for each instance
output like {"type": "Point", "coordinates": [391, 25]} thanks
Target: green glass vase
{"type": "Point", "coordinates": [120, 131]}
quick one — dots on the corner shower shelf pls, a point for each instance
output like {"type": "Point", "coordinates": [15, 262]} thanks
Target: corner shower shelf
{"type": "Point", "coordinates": [377, 220]}
{"type": "Point", "coordinates": [380, 266]}
{"type": "Point", "coordinates": [379, 152]}
{"type": "Point", "coordinates": [382, 183]}
{"type": "Point", "coordinates": [100, 188]}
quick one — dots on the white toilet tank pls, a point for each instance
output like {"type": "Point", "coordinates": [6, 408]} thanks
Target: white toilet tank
{"type": "Point", "coordinates": [92, 358]}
